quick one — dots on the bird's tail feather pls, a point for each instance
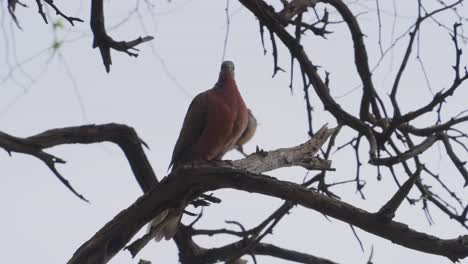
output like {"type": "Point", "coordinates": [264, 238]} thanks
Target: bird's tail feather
{"type": "Point", "coordinates": [165, 224]}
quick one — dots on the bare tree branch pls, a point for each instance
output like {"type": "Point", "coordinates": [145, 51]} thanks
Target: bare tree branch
{"type": "Point", "coordinates": [361, 60]}
{"type": "Point", "coordinates": [293, 8]}
{"type": "Point", "coordinates": [57, 11]}
{"type": "Point", "coordinates": [104, 41]}
{"type": "Point", "coordinates": [410, 153]}
{"type": "Point", "coordinates": [387, 212]}
{"type": "Point", "coordinates": [13, 144]}
{"type": "Point", "coordinates": [187, 183]}
{"type": "Point", "coordinates": [274, 251]}
{"type": "Point", "coordinates": [302, 155]}
{"type": "Point", "coordinates": [460, 165]}
{"type": "Point", "coordinates": [121, 135]}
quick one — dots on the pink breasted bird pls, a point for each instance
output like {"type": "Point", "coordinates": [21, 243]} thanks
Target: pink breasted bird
{"type": "Point", "coordinates": [213, 124]}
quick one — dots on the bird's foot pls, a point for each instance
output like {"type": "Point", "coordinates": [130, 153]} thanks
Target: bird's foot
{"type": "Point", "coordinates": [227, 162]}
{"type": "Point", "coordinates": [261, 151]}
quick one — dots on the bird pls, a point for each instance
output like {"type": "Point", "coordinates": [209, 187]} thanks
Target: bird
{"type": "Point", "coordinates": [213, 124]}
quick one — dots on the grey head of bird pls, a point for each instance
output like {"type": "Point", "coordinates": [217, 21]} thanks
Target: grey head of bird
{"type": "Point", "coordinates": [227, 67]}
{"type": "Point", "coordinates": [226, 73]}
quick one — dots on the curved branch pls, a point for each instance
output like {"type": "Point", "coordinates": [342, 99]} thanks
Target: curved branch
{"type": "Point", "coordinates": [14, 144]}
{"type": "Point", "coordinates": [360, 59]}
{"type": "Point", "coordinates": [410, 153]}
{"type": "Point", "coordinates": [188, 183]}
{"type": "Point", "coordinates": [427, 131]}
{"type": "Point", "coordinates": [124, 136]}
{"type": "Point", "coordinates": [215, 255]}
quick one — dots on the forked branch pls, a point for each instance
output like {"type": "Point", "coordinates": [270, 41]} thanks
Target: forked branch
{"type": "Point", "coordinates": [104, 42]}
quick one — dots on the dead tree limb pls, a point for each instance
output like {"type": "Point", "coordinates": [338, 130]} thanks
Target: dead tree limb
{"type": "Point", "coordinates": [188, 183]}
{"type": "Point", "coordinates": [104, 42]}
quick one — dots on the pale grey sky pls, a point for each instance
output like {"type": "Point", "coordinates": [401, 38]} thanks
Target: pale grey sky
{"type": "Point", "coordinates": [42, 222]}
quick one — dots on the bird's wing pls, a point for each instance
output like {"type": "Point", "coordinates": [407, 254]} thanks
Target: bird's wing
{"type": "Point", "coordinates": [249, 131]}
{"type": "Point", "coordinates": [194, 123]}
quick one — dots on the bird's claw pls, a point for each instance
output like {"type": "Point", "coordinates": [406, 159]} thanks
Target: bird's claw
{"type": "Point", "coordinates": [260, 151]}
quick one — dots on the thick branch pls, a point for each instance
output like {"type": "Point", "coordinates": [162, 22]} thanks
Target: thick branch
{"type": "Point", "coordinates": [302, 155]}
{"type": "Point", "coordinates": [253, 161]}
{"type": "Point", "coordinates": [187, 183]}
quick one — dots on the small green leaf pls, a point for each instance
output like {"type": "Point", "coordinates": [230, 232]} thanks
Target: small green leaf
{"type": "Point", "coordinates": [56, 45]}
{"type": "Point", "coordinates": [58, 24]}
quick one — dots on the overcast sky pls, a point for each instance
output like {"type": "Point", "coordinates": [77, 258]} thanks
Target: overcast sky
{"type": "Point", "coordinates": [42, 222]}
